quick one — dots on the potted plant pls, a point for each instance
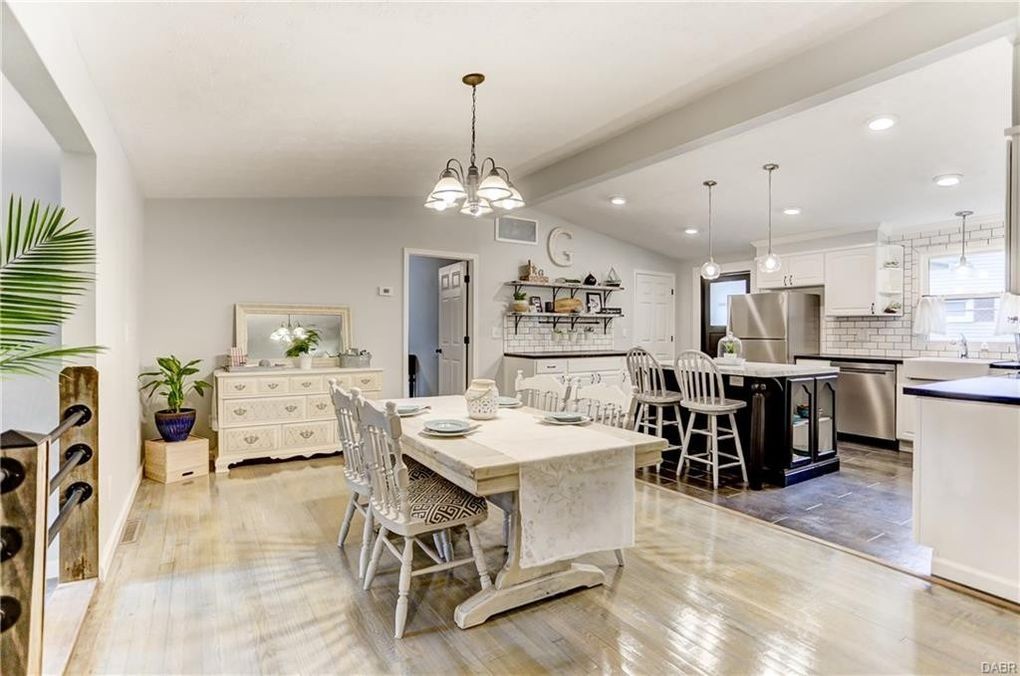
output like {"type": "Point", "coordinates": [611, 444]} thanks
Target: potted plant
{"type": "Point", "coordinates": [171, 381]}
{"type": "Point", "coordinates": [520, 303]}
{"type": "Point", "coordinates": [302, 343]}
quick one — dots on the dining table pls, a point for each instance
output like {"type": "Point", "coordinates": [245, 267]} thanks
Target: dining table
{"type": "Point", "coordinates": [489, 464]}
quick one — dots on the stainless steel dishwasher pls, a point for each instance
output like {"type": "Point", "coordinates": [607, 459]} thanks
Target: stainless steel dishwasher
{"type": "Point", "coordinates": [866, 405]}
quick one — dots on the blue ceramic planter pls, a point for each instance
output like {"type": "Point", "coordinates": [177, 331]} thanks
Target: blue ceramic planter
{"type": "Point", "coordinates": [175, 426]}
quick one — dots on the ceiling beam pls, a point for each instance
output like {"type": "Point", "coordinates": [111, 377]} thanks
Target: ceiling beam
{"type": "Point", "coordinates": [897, 42]}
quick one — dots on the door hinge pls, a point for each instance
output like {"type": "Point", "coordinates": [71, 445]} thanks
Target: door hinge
{"type": "Point", "coordinates": [467, 340]}
{"type": "Point", "coordinates": [467, 279]}
{"type": "Point", "coordinates": [671, 292]}
{"type": "Point", "coordinates": [671, 339]}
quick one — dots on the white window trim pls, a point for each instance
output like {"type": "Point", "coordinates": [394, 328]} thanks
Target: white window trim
{"type": "Point", "coordinates": [940, 252]}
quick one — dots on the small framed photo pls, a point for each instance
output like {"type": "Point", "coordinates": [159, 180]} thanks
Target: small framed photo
{"type": "Point", "coordinates": [536, 303]}
{"type": "Point", "coordinates": [593, 301]}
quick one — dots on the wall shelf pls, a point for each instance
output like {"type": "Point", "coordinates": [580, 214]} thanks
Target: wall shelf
{"type": "Point", "coordinates": [572, 289]}
{"type": "Point", "coordinates": [556, 318]}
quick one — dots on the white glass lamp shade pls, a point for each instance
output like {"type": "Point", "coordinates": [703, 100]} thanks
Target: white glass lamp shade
{"type": "Point", "coordinates": [437, 204]}
{"type": "Point", "coordinates": [515, 200]}
{"type": "Point", "coordinates": [280, 334]}
{"type": "Point", "coordinates": [476, 208]}
{"type": "Point", "coordinates": [769, 263]}
{"type": "Point", "coordinates": [448, 188]}
{"type": "Point", "coordinates": [929, 316]}
{"type": "Point", "coordinates": [710, 270]}
{"type": "Point", "coordinates": [963, 269]}
{"type": "Point", "coordinates": [494, 187]}
{"type": "Point", "coordinates": [1007, 320]}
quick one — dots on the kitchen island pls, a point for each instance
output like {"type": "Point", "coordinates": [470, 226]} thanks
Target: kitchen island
{"type": "Point", "coordinates": [966, 472]}
{"type": "Point", "coordinates": [788, 428]}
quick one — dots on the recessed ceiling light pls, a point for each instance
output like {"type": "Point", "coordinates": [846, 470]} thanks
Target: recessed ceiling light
{"type": "Point", "coordinates": [882, 122]}
{"type": "Point", "coordinates": [618, 200]}
{"type": "Point", "coordinates": [690, 231]}
{"type": "Point", "coordinates": [948, 180]}
{"type": "Point", "coordinates": [791, 211]}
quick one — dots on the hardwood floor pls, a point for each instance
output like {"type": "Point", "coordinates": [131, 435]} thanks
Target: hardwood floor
{"type": "Point", "coordinates": [240, 573]}
{"type": "Point", "coordinates": [866, 506]}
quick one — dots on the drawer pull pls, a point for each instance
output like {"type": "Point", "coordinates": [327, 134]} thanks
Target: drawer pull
{"type": "Point", "coordinates": [239, 386]}
{"type": "Point", "coordinates": [306, 384]}
{"type": "Point", "coordinates": [306, 434]}
{"type": "Point", "coordinates": [321, 406]}
{"type": "Point", "coordinates": [251, 439]}
{"type": "Point", "coordinates": [290, 408]}
{"type": "Point", "coordinates": [366, 381]}
{"type": "Point", "coordinates": [272, 386]}
{"type": "Point", "coordinates": [240, 411]}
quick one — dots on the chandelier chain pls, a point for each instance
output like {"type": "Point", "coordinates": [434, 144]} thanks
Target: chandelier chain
{"type": "Point", "coordinates": [473, 102]}
{"type": "Point", "coordinates": [710, 257]}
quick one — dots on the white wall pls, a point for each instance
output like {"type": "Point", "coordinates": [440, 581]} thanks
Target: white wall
{"type": "Point", "coordinates": [30, 169]}
{"type": "Point", "coordinates": [42, 60]}
{"type": "Point", "coordinates": [202, 256]}
{"type": "Point", "coordinates": [423, 319]}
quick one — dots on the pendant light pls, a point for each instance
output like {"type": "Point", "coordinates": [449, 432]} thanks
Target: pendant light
{"type": "Point", "coordinates": [710, 269]}
{"type": "Point", "coordinates": [963, 268]}
{"type": "Point", "coordinates": [770, 262]}
{"type": "Point", "coordinates": [480, 195]}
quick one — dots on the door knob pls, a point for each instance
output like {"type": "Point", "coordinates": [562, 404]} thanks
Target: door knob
{"type": "Point", "coordinates": [439, 350]}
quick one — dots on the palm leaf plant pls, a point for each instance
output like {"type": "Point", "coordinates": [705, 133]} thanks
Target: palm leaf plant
{"type": "Point", "coordinates": [304, 341]}
{"type": "Point", "coordinates": [44, 269]}
{"type": "Point", "coordinates": [171, 381]}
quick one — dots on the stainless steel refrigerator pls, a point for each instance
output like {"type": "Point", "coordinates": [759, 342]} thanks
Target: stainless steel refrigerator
{"type": "Point", "coordinates": [775, 327]}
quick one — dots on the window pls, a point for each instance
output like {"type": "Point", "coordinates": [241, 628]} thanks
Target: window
{"type": "Point", "coordinates": [972, 300]}
{"type": "Point", "coordinates": [719, 297]}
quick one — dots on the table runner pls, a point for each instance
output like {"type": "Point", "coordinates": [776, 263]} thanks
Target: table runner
{"type": "Point", "coordinates": [576, 482]}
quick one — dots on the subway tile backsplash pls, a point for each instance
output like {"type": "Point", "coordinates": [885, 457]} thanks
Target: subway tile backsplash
{"type": "Point", "coordinates": [891, 336]}
{"type": "Point", "coordinates": [531, 336]}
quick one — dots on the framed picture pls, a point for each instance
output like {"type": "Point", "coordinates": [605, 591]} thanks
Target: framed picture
{"type": "Point", "coordinates": [536, 303]}
{"type": "Point", "coordinates": [516, 230]}
{"type": "Point", "coordinates": [593, 302]}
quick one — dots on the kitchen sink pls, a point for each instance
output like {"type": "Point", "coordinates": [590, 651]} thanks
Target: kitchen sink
{"type": "Point", "coordinates": [945, 368]}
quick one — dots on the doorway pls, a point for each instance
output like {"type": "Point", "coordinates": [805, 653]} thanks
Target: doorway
{"type": "Point", "coordinates": [654, 307]}
{"type": "Point", "coordinates": [715, 295]}
{"type": "Point", "coordinates": [438, 326]}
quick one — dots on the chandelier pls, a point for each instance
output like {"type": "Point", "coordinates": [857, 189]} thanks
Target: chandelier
{"type": "Point", "coordinates": [480, 195]}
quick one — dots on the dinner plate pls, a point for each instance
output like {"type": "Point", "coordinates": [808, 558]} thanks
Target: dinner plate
{"type": "Point", "coordinates": [509, 402]}
{"type": "Point", "coordinates": [584, 420]}
{"type": "Point", "coordinates": [566, 416]}
{"type": "Point", "coordinates": [447, 426]}
{"type": "Point", "coordinates": [408, 410]}
{"type": "Point", "coordinates": [448, 435]}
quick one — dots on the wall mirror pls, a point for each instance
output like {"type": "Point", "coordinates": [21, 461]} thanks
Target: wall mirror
{"type": "Point", "coordinates": [262, 331]}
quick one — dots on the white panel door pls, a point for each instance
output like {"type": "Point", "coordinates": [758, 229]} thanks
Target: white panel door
{"type": "Point", "coordinates": [453, 304]}
{"type": "Point", "coordinates": [653, 313]}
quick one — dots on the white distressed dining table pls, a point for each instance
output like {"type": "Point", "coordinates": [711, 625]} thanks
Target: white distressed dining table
{"type": "Point", "coordinates": [489, 473]}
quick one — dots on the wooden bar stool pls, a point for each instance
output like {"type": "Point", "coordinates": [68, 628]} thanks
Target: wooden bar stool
{"type": "Point", "coordinates": [703, 393]}
{"type": "Point", "coordinates": [651, 395]}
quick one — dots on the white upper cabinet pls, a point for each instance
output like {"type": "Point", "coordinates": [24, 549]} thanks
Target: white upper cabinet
{"type": "Point", "coordinates": [864, 281]}
{"type": "Point", "coordinates": [807, 269]}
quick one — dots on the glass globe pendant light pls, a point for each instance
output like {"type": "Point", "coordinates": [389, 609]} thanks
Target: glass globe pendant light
{"type": "Point", "coordinates": [770, 263]}
{"type": "Point", "coordinates": [482, 189]}
{"type": "Point", "coordinates": [710, 269]}
{"type": "Point", "coordinates": [963, 268]}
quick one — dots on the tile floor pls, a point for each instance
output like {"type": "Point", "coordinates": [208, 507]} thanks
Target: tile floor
{"type": "Point", "coordinates": [866, 506]}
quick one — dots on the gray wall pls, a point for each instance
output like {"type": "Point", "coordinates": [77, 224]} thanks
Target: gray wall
{"type": "Point", "coordinates": [203, 256]}
{"type": "Point", "coordinates": [423, 319]}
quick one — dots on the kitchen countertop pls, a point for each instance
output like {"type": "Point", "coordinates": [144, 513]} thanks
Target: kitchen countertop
{"type": "Point", "coordinates": [852, 357]}
{"type": "Point", "coordinates": [565, 355]}
{"type": "Point", "coordinates": [990, 389]}
{"type": "Point", "coordinates": [756, 369]}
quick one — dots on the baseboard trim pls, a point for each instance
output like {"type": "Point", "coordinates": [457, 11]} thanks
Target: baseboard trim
{"type": "Point", "coordinates": [118, 530]}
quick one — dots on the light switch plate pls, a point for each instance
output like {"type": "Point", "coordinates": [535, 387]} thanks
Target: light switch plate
{"type": "Point", "coordinates": [385, 290]}
{"type": "Point", "coordinates": [497, 332]}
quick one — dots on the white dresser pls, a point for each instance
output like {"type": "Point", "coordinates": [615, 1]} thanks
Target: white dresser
{"type": "Point", "coordinates": [283, 414]}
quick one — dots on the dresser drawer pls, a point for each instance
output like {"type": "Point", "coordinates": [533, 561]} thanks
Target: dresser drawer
{"type": "Point", "coordinates": [270, 409]}
{"type": "Point", "coordinates": [244, 439]}
{"type": "Point", "coordinates": [307, 434]}
{"type": "Point", "coordinates": [366, 381]}
{"type": "Point", "coordinates": [320, 407]}
{"type": "Point", "coordinates": [273, 385]}
{"type": "Point", "coordinates": [306, 384]}
{"type": "Point", "coordinates": [238, 387]}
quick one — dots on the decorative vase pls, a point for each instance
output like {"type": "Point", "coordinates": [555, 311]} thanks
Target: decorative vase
{"type": "Point", "coordinates": [175, 425]}
{"type": "Point", "coordinates": [482, 399]}
{"type": "Point", "coordinates": [305, 361]}
{"type": "Point", "coordinates": [521, 306]}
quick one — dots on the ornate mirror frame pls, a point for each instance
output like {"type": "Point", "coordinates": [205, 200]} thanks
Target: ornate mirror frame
{"type": "Point", "coordinates": [243, 310]}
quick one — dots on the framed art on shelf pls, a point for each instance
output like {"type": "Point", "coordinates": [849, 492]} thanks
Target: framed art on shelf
{"type": "Point", "coordinates": [536, 303]}
{"type": "Point", "coordinates": [593, 302]}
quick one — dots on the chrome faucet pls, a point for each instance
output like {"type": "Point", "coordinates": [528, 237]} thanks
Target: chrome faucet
{"type": "Point", "coordinates": [964, 352]}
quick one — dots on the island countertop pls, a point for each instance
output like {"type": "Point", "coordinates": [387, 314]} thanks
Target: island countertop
{"type": "Point", "coordinates": [990, 389]}
{"type": "Point", "coordinates": [757, 369]}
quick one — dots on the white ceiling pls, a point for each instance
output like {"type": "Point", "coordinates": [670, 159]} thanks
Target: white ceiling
{"type": "Point", "coordinates": [952, 115]}
{"type": "Point", "coordinates": [317, 99]}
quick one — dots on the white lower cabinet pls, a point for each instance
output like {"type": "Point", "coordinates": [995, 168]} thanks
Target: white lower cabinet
{"type": "Point", "coordinates": [581, 370]}
{"type": "Point", "coordinates": [260, 415]}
